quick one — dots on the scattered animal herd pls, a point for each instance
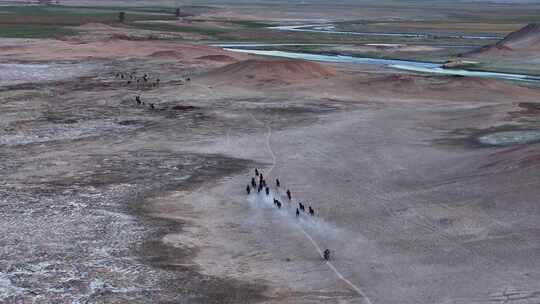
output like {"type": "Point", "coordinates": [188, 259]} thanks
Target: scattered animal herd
{"type": "Point", "coordinates": [142, 82]}
{"type": "Point", "coordinates": [139, 101]}
{"type": "Point", "coordinates": [262, 185]}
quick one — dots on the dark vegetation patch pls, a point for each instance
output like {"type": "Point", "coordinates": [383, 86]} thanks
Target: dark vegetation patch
{"type": "Point", "coordinates": [34, 31]}
{"type": "Point", "coordinates": [148, 37]}
{"type": "Point", "coordinates": [530, 105]}
{"type": "Point", "coordinates": [56, 119]}
{"type": "Point", "coordinates": [183, 108]}
{"type": "Point", "coordinates": [131, 123]}
{"type": "Point", "coordinates": [301, 109]}
{"type": "Point", "coordinates": [218, 58]}
{"type": "Point", "coordinates": [526, 112]}
{"type": "Point", "coordinates": [527, 109]}
{"type": "Point", "coordinates": [251, 24]}
{"type": "Point", "coordinates": [60, 15]}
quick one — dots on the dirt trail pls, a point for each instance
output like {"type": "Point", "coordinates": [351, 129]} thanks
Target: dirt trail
{"type": "Point", "coordinates": [317, 246]}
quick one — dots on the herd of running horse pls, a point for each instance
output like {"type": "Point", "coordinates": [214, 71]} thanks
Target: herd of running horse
{"type": "Point", "coordinates": [262, 185]}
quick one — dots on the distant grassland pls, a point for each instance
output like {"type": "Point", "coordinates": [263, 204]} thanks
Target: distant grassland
{"type": "Point", "coordinates": [34, 31]}
{"type": "Point", "coordinates": [469, 28]}
{"type": "Point", "coordinates": [167, 27]}
{"type": "Point", "coordinates": [50, 21]}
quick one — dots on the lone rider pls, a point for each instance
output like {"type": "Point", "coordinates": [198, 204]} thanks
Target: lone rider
{"type": "Point", "coordinates": [327, 254]}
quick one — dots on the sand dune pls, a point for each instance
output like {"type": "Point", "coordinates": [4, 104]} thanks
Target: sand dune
{"type": "Point", "coordinates": [283, 71]}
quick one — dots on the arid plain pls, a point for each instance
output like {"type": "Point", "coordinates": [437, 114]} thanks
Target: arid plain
{"type": "Point", "coordinates": [126, 149]}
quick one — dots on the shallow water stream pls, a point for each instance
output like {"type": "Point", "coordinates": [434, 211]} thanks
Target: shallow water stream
{"type": "Point", "coordinates": [413, 66]}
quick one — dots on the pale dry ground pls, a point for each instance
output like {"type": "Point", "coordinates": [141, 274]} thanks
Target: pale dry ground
{"type": "Point", "coordinates": [413, 210]}
{"type": "Point", "coordinates": [408, 221]}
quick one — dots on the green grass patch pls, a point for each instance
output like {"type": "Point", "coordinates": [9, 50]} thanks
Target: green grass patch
{"type": "Point", "coordinates": [165, 27]}
{"type": "Point", "coordinates": [51, 21]}
{"type": "Point", "coordinates": [34, 31]}
{"type": "Point", "coordinates": [80, 10]}
{"type": "Point", "coordinates": [250, 24]}
{"type": "Point", "coordinates": [72, 16]}
{"type": "Point", "coordinates": [138, 9]}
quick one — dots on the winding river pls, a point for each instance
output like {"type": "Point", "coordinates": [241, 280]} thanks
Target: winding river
{"type": "Point", "coordinates": [413, 66]}
{"type": "Point", "coordinates": [406, 65]}
{"type": "Point", "coordinates": [329, 28]}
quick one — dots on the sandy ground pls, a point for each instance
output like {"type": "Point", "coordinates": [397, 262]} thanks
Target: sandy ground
{"type": "Point", "coordinates": [82, 49]}
{"type": "Point", "coordinates": [107, 201]}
